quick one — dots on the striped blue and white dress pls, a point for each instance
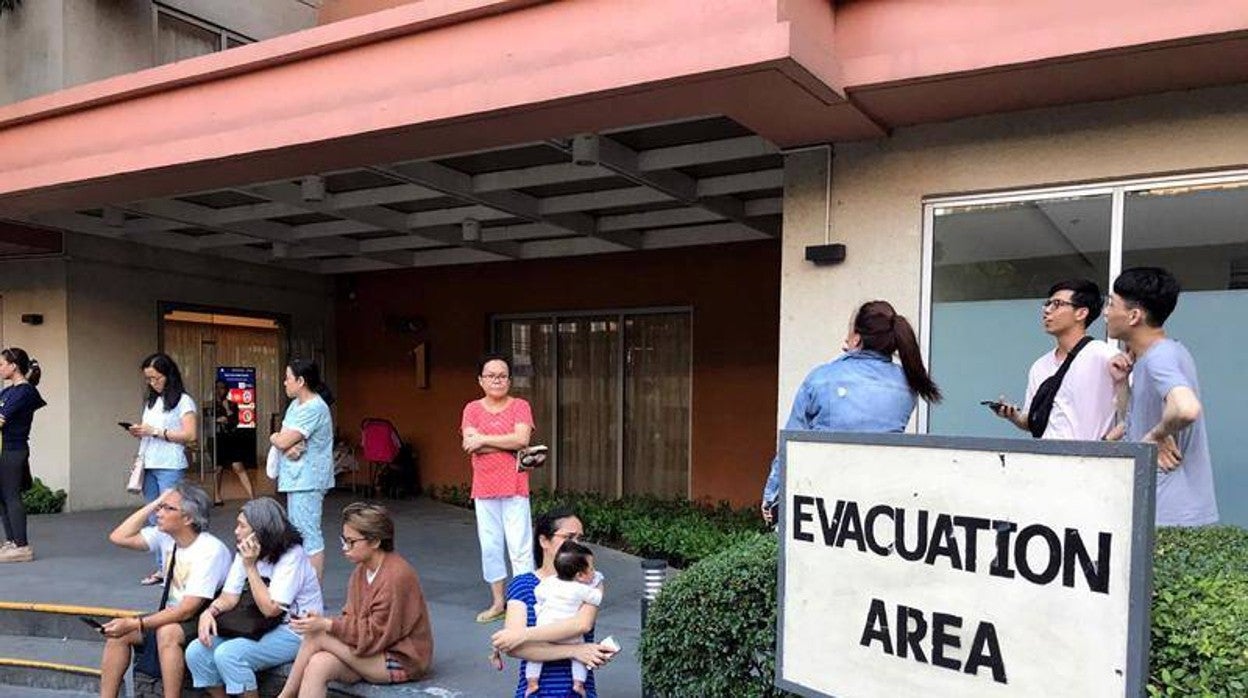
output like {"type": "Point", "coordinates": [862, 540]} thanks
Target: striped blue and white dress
{"type": "Point", "coordinates": [556, 680]}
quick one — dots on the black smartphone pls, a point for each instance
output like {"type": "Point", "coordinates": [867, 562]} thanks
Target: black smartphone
{"type": "Point", "coordinates": [97, 625]}
{"type": "Point", "coordinates": [992, 404]}
{"type": "Point", "coordinates": [125, 425]}
{"type": "Point", "coordinates": [775, 514]}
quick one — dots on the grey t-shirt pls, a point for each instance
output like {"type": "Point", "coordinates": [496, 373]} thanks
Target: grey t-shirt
{"type": "Point", "coordinates": [1185, 495]}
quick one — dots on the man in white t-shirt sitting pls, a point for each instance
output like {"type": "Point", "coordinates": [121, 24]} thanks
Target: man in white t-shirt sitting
{"type": "Point", "coordinates": [1084, 408]}
{"type": "Point", "coordinates": [198, 568]}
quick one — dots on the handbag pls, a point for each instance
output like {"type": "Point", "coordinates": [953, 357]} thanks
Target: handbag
{"type": "Point", "coordinates": [1042, 402]}
{"type": "Point", "coordinates": [146, 655]}
{"type": "Point", "coordinates": [246, 619]}
{"type": "Point", "coordinates": [134, 483]}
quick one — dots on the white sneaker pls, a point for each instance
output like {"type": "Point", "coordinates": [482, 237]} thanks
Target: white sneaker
{"type": "Point", "coordinates": [8, 544]}
{"type": "Point", "coordinates": [16, 554]}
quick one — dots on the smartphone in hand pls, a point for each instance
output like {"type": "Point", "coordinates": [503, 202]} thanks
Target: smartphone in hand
{"type": "Point", "coordinates": [95, 624]}
{"type": "Point", "coordinates": [125, 425]}
{"type": "Point", "coordinates": [993, 405]}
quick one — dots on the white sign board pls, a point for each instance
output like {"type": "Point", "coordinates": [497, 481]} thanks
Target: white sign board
{"type": "Point", "coordinates": [914, 565]}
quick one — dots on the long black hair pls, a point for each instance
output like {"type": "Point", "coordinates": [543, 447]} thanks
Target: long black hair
{"type": "Point", "coordinates": [311, 375]}
{"type": "Point", "coordinates": [27, 366]}
{"type": "Point", "coordinates": [546, 525]}
{"type": "Point", "coordinates": [165, 366]}
{"type": "Point", "coordinates": [883, 330]}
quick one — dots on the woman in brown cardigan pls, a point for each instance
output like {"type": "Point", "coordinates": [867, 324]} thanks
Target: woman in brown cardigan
{"type": "Point", "coordinates": [383, 635]}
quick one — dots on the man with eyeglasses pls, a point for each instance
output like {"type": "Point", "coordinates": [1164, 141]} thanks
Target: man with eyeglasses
{"type": "Point", "coordinates": [198, 563]}
{"type": "Point", "coordinates": [1084, 403]}
{"type": "Point", "coordinates": [1164, 406]}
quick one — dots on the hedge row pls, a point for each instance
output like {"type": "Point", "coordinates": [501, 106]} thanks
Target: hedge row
{"type": "Point", "coordinates": [677, 530]}
{"type": "Point", "coordinates": [712, 630]}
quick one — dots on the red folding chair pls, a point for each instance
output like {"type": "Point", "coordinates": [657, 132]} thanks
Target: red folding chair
{"type": "Point", "coordinates": [380, 443]}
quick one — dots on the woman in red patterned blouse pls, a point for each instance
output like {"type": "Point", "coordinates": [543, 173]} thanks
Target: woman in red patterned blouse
{"type": "Point", "coordinates": [494, 428]}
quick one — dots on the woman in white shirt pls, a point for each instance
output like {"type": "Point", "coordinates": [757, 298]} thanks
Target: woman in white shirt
{"type": "Point", "coordinates": [167, 425]}
{"type": "Point", "coordinates": [271, 562]}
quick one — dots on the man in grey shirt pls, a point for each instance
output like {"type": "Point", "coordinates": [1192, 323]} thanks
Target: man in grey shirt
{"type": "Point", "coordinates": [1164, 406]}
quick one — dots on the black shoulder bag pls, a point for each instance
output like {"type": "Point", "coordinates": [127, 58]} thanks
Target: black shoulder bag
{"type": "Point", "coordinates": [1042, 402]}
{"type": "Point", "coordinates": [246, 619]}
{"type": "Point", "coordinates": [146, 658]}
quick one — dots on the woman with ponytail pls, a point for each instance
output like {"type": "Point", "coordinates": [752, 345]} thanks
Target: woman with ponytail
{"type": "Point", "coordinates": [306, 440]}
{"type": "Point", "coordinates": [18, 403]}
{"type": "Point", "coordinates": [862, 389]}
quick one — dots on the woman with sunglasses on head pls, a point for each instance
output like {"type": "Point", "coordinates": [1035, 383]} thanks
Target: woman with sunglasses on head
{"type": "Point", "coordinates": [520, 636]}
{"type": "Point", "coordinates": [383, 635]}
{"type": "Point", "coordinates": [168, 424]}
{"type": "Point", "coordinates": [18, 403]}
{"type": "Point", "coordinates": [272, 565]}
{"type": "Point", "coordinates": [493, 429]}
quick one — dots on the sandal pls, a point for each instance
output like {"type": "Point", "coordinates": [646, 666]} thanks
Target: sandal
{"type": "Point", "coordinates": [487, 617]}
{"type": "Point", "coordinates": [152, 579]}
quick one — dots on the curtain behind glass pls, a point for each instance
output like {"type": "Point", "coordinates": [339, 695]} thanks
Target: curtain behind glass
{"type": "Point", "coordinates": [588, 404]}
{"type": "Point", "coordinates": [177, 40]}
{"type": "Point", "coordinates": [529, 343]}
{"type": "Point", "coordinates": [657, 391]}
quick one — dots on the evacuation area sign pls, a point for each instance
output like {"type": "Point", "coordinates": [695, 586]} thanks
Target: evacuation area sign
{"type": "Point", "coordinates": [241, 383]}
{"type": "Point", "coordinates": [942, 566]}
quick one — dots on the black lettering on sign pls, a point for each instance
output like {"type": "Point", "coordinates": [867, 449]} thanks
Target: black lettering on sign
{"type": "Point", "coordinates": [910, 637]}
{"type": "Point", "coordinates": [868, 529]}
{"type": "Point", "coordinates": [941, 639]}
{"type": "Point", "coordinates": [877, 627]}
{"type": "Point", "coordinates": [1054, 563]}
{"type": "Point", "coordinates": [971, 525]}
{"type": "Point", "coordinates": [800, 502]}
{"type": "Point", "coordinates": [986, 651]}
{"type": "Point", "coordinates": [943, 543]}
{"type": "Point", "coordinates": [920, 546]}
{"type": "Point", "coordinates": [829, 527]}
{"type": "Point", "coordinates": [851, 527]}
{"type": "Point", "coordinates": [1000, 566]}
{"type": "Point", "coordinates": [1097, 575]}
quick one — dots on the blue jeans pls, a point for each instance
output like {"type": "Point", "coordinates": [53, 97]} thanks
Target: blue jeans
{"type": "Point", "coordinates": [234, 662]}
{"type": "Point", "coordinates": [155, 482]}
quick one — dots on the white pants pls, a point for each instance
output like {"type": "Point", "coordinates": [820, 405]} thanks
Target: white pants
{"type": "Point", "coordinates": [504, 525]}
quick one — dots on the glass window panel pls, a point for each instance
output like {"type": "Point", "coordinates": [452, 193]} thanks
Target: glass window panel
{"type": "Point", "coordinates": [177, 39]}
{"type": "Point", "coordinates": [1200, 234]}
{"type": "Point", "coordinates": [657, 393]}
{"type": "Point", "coordinates": [529, 343]}
{"type": "Point", "coordinates": [992, 267]}
{"type": "Point", "coordinates": [588, 404]}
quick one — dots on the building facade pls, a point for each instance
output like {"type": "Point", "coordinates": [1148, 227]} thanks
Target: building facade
{"type": "Point", "coordinates": [622, 195]}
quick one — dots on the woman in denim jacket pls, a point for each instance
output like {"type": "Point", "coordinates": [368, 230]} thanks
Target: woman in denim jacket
{"type": "Point", "coordinates": [862, 389]}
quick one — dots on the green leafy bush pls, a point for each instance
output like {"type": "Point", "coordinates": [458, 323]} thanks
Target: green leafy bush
{"type": "Point", "coordinates": [40, 499]}
{"type": "Point", "coordinates": [1200, 613]}
{"type": "Point", "coordinates": [677, 530]}
{"type": "Point", "coordinates": [712, 630]}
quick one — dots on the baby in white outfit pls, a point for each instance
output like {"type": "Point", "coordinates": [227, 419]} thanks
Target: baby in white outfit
{"type": "Point", "coordinates": [576, 582]}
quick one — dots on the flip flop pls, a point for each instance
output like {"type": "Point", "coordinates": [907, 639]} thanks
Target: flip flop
{"type": "Point", "coordinates": [487, 617]}
{"type": "Point", "coordinates": [152, 580]}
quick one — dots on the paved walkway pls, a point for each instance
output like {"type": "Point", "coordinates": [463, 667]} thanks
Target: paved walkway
{"type": "Point", "coordinates": [77, 565]}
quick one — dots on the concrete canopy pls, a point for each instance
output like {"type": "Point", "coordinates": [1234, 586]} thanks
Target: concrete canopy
{"type": "Point", "coordinates": [403, 95]}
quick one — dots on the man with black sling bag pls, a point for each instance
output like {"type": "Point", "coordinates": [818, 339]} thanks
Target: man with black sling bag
{"type": "Point", "coordinates": [198, 563]}
{"type": "Point", "coordinates": [1070, 390]}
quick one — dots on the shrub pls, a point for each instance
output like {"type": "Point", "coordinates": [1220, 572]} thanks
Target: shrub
{"type": "Point", "coordinates": [677, 530]}
{"type": "Point", "coordinates": [1199, 640]}
{"type": "Point", "coordinates": [712, 630]}
{"type": "Point", "coordinates": [40, 499]}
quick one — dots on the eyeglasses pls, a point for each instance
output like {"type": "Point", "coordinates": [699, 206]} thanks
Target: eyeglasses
{"type": "Point", "coordinates": [1056, 303]}
{"type": "Point", "coordinates": [167, 507]}
{"type": "Point", "coordinates": [495, 377]}
{"type": "Point", "coordinates": [347, 543]}
{"type": "Point", "coordinates": [566, 535]}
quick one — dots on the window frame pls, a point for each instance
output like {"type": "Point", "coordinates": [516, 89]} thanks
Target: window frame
{"type": "Point", "coordinates": [619, 315]}
{"type": "Point", "coordinates": [224, 36]}
{"type": "Point", "coordinates": [1116, 189]}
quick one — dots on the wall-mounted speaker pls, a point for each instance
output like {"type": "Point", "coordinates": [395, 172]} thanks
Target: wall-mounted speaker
{"type": "Point", "coordinates": [826, 254]}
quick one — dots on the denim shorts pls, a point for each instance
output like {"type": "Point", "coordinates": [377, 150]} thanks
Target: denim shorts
{"type": "Point", "coordinates": [305, 513]}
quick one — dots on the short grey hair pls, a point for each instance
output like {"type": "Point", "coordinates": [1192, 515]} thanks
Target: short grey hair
{"type": "Point", "coordinates": [195, 504]}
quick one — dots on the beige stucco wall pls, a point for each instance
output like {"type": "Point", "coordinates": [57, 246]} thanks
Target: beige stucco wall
{"type": "Point", "coordinates": [38, 286]}
{"type": "Point", "coordinates": [878, 188]}
{"type": "Point", "coordinates": [114, 292]}
{"type": "Point", "coordinates": [32, 55]}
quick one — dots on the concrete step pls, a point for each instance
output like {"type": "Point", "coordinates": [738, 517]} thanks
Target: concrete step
{"type": "Point", "coordinates": [43, 662]}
